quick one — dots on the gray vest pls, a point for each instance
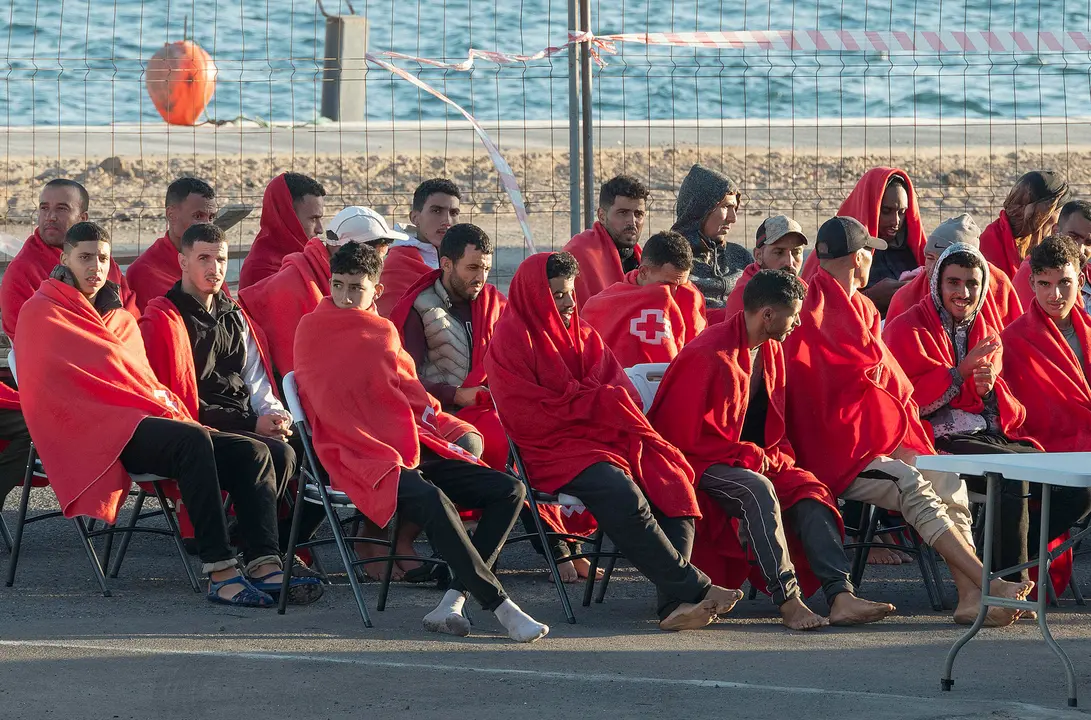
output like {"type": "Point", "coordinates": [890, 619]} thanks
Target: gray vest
{"type": "Point", "coordinates": [449, 341]}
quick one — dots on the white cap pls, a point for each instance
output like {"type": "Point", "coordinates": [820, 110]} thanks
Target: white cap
{"type": "Point", "coordinates": [362, 225]}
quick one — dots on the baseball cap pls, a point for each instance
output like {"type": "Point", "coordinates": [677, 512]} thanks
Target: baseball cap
{"type": "Point", "coordinates": [842, 236]}
{"type": "Point", "coordinates": [961, 229]}
{"type": "Point", "coordinates": [362, 225]}
{"type": "Point", "coordinates": [774, 228]}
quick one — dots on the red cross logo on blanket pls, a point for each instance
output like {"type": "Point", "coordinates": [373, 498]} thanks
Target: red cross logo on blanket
{"type": "Point", "coordinates": [650, 327]}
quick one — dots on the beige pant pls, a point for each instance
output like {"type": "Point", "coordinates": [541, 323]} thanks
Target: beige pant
{"type": "Point", "coordinates": [932, 502]}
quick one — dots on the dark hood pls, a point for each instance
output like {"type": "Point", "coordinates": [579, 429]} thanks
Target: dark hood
{"type": "Point", "coordinates": [701, 190]}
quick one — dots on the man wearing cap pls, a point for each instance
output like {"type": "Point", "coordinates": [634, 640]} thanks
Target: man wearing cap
{"type": "Point", "coordinates": [1075, 223]}
{"type": "Point", "coordinates": [853, 422]}
{"type": "Point", "coordinates": [778, 245]}
{"type": "Point", "coordinates": [1001, 304]}
{"type": "Point", "coordinates": [650, 315]}
{"type": "Point", "coordinates": [279, 301]}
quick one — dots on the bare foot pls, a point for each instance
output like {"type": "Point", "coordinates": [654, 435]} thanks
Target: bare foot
{"type": "Point", "coordinates": [567, 571]}
{"type": "Point", "coordinates": [404, 546]}
{"type": "Point", "coordinates": [969, 604]}
{"type": "Point", "coordinates": [797, 616]}
{"type": "Point", "coordinates": [724, 598]}
{"type": "Point", "coordinates": [883, 556]}
{"type": "Point", "coordinates": [583, 567]}
{"type": "Point", "coordinates": [374, 570]}
{"type": "Point", "coordinates": [690, 616]}
{"type": "Point", "coordinates": [848, 609]}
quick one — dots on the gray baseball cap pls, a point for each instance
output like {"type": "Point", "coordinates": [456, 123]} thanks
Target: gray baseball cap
{"type": "Point", "coordinates": [961, 229]}
{"type": "Point", "coordinates": [774, 228]}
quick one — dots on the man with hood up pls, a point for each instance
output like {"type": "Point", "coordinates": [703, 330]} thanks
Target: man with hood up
{"type": "Point", "coordinates": [707, 207]}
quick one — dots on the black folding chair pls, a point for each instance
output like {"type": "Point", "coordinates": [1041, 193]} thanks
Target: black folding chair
{"type": "Point", "coordinates": [313, 487]}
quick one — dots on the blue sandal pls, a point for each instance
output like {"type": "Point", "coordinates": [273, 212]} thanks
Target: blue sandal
{"type": "Point", "coordinates": [301, 590]}
{"type": "Point", "coordinates": [249, 596]}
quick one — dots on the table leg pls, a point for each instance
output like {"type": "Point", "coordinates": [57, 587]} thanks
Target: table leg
{"type": "Point", "coordinates": [992, 486]}
{"type": "Point", "coordinates": [1043, 595]}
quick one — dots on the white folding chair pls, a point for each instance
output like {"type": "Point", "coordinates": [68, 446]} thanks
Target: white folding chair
{"type": "Point", "coordinates": [646, 377]}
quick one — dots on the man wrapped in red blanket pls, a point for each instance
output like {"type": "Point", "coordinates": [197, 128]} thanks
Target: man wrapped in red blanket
{"type": "Point", "coordinates": [386, 442]}
{"type": "Point", "coordinates": [291, 214]}
{"type": "Point", "coordinates": [721, 403]}
{"type": "Point", "coordinates": [651, 314]}
{"type": "Point", "coordinates": [567, 405]}
{"type": "Point", "coordinates": [778, 245]}
{"type": "Point", "coordinates": [1075, 222]}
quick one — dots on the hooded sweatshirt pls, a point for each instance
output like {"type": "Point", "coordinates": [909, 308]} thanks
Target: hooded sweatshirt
{"type": "Point", "coordinates": [716, 268]}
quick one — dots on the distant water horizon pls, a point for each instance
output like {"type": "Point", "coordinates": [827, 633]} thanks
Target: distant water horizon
{"type": "Point", "coordinates": [81, 62]}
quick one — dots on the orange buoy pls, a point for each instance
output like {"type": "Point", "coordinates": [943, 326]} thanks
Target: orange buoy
{"type": "Point", "coordinates": [181, 79]}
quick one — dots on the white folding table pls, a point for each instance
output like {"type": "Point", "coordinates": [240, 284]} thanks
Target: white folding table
{"type": "Point", "coordinates": [1048, 470]}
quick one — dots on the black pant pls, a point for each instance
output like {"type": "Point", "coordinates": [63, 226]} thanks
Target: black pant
{"type": "Point", "coordinates": [427, 497]}
{"type": "Point", "coordinates": [13, 461]}
{"type": "Point", "coordinates": [206, 463]}
{"type": "Point", "coordinates": [1015, 526]}
{"type": "Point", "coordinates": [820, 536]}
{"type": "Point", "coordinates": [658, 546]}
{"type": "Point", "coordinates": [285, 456]}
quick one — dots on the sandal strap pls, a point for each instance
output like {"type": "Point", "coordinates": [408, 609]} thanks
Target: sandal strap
{"type": "Point", "coordinates": [248, 595]}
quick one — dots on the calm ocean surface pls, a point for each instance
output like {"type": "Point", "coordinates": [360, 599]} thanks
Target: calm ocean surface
{"type": "Point", "coordinates": [80, 62]}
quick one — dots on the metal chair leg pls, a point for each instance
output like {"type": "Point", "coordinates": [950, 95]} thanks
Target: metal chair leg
{"type": "Point", "coordinates": [96, 566]}
{"type": "Point", "coordinates": [1075, 588]}
{"type": "Point", "coordinates": [388, 570]}
{"type": "Point", "coordinates": [346, 557]}
{"type": "Point", "coordinates": [21, 519]}
{"type": "Point", "coordinates": [607, 572]}
{"type": "Point", "coordinates": [127, 537]}
{"type": "Point", "coordinates": [551, 561]}
{"type": "Point", "coordinates": [293, 538]}
{"type": "Point", "coordinates": [589, 586]}
{"type": "Point", "coordinates": [859, 563]}
{"type": "Point", "coordinates": [176, 534]}
{"type": "Point", "coordinates": [4, 533]}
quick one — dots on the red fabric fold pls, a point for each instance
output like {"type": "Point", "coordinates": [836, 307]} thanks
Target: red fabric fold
{"type": "Point", "coordinates": [154, 272]}
{"type": "Point", "coordinates": [29, 268]}
{"type": "Point", "coordinates": [279, 302]}
{"type": "Point", "coordinates": [849, 401]}
{"type": "Point", "coordinates": [83, 404]}
{"type": "Point", "coordinates": [368, 425]}
{"type": "Point", "coordinates": [645, 324]}
{"type": "Point", "coordinates": [566, 402]}
{"type": "Point", "coordinates": [600, 264]}
{"type": "Point", "coordinates": [1002, 303]}
{"type": "Point", "coordinates": [279, 234]}
{"type": "Point", "coordinates": [734, 302]}
{"type": "Point", "coordinates": [402, 269]}
{"type": "Point", "coordinates": [998, 246]}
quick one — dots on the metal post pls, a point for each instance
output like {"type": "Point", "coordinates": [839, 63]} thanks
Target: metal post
{"type": "Point", "coordinates": [573, 126]}
{"type": "Point", "coordinates": [588, 146]}
{"type": "Point", "coordinates": [344, 68]}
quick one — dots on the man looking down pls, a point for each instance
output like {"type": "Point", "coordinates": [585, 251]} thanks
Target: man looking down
{"type": "Point", "coordinates": [291, 214]}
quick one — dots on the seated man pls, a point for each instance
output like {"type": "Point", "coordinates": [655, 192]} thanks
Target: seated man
{"type": "Point", "coordinates": [575, 417]}
{"type": "Point", "coordinates": [778, 246]}
{"type": "Point", "coordinates": [610, 250]}
{"type": "Point", "coordinates": [884, 202]}
{"type": "Point", "coordinates": [291, 214]}
{"type": "Point", "coordinates": [1029, 215]}
{"type": "Point", "coordinates": [1001, 303]}
{"type": "Point", "coordinates": [62, 204]}
{"type": "Point", "coordinates": [853, 422]}
{"type": "Point", "coordinates": [706, 208]}
{"type": "Point", "coordinates": [434, 210]}
{"type": "Point", "coordinates": [277, 303]}
{"type": "Point", "coordinates": [651, 314]}
{"type": "Point", "coordinates": [952, 355]}
{"type": "Point", "coordinates": [189, 201]}
{"type": "Point", "coordinates": [1075, 222]}
{"type": "Point", "coordinates": [97, 413]}
{"type": "Point", "coordinates": [387, 443]}
{"type": "Point", "coordinates": [721, 403]}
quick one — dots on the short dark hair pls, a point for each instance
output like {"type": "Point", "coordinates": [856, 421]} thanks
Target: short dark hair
{"type": "Point", "coordinates": [431, 187]}
{"type": "Point", "coordinates": [183, 187]}
{"type": "Point", "coordinates": [355, 258]}
{"type": "Point", "coordinates": [623, 186]}
{"type": "Point", "coordinates": [202, 232]}
{"type": "Point", "coordinates": [668, 247]}
{"type": "Point", "coordinates": [963, 259]}
{"type": "Point", "coordinates": [86, 231]}
{"type": "Point", "coordinates": [562, 265]}
{"type": "Point", "coordinates": [776, 288]}
{"type": "Point", "coordinates": [85, 198]}
{"type": "Point", "coordinates": [1072, 207]}
{"type": "Point", "coordinates": [1054, 253]}
{"type": "Point", "coordinates": [459, 236]}
{"type": "Point", "coordinates": [300, 185]}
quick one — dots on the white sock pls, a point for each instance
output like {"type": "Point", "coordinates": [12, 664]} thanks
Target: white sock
{"type": "Point", "coordinates": [447, 617]}
{"type": "Point", "coordinates": [520, 626]}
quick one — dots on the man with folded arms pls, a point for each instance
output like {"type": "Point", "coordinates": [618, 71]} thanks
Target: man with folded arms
{"type": "Point", "coordinates": [778, 245]}
{"type": "Point", "coordinates": [853, 422]}
{"type": "Point", "coordinates": [1074, 222]}
{"type": "Point", "coordinates": [566, 403]}
{"type": "Point", "coordinates": [291, 214]}
{"type": "Point", "coordinates": [97, 413]}
{"type": "Point", "coordinates": [386, 442]}
{"type": "Point", "coordinates": [651, 314]}
{"type": "Point", "coordinates": [721, 403]}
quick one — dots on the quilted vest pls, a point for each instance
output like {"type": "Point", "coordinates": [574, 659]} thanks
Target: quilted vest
{"type": "Point", "coordinates": [449, 341]}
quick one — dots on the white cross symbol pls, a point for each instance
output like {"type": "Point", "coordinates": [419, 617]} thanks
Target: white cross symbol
{"type": "Point", "coordinates": [650, 327]}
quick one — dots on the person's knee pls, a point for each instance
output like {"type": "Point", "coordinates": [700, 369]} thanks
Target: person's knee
{"type": "Point", "coordinates": [472, 443]}
{"type": "Point", "coordinates": [195, 438]}
{"type": "Point", "coordinates": [515, 489]}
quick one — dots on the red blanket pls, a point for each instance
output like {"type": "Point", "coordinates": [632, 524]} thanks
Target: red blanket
{"type": "Point", "coordinates": [645, 324]}
{"type": "Point", "coordinates": [82, 405]}
{"type": "Point", "coordinates": [567, 404]}
{"type": "Point", "coordinates": [734, 300]}
{"type": "Point", "coordinates": [700, 407]}
{"type": "Point", "coordinates": [280, 301]}
{"type": "Point", "coordinates": [485, 311]}
{"type": "Point", "coordinates": [367, 426]}
{"type": "Point", "coordinates": [1025, 289]}
{"type": "Point", "coordinates": [600, 265]}
{"type": "Point", "coordinates": [849, 401]}
{"type": "Point", "coordinates": [1002, 303]}
{"type": "Point", "coordinates": [279, 234]}
{"type": "Point", "coordinates": [998, 246]}
{"type": "Point", "coordinates": [155, 272]}
{"type": "Point", "coordinates": [29, 268]}
{"type": "Point", "coordinates": [864, 202]}
{"type": "Point", "coordinates": [402, 269]}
